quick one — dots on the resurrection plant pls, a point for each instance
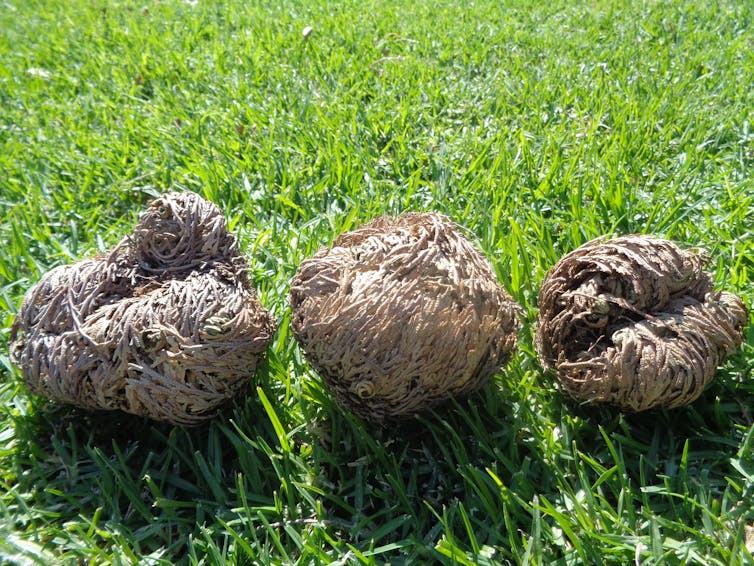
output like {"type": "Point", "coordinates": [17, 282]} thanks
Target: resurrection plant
{"type": "Point", "coordinates": [635, 322]}
{"type": "Point", "coordinates": [402, 314]}
{"type": "Point", "coordinates": [164, 325]}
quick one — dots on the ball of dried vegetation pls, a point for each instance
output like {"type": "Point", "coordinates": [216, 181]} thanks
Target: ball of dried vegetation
{"type": "Point", "coordinates": [402, 314]}
{"type": "Point", "coordinates": [635, 322]}
{"type": "Point", "coordinates": [165, 325]}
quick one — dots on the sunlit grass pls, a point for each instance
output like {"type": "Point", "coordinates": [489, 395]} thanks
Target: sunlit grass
{"type": "Point", "coordinates": [536, 125]}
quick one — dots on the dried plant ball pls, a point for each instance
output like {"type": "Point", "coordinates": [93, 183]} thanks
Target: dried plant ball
{"type": "Point", "coordinates": [164, 325]}
{"type": "Point", "coordinates": [635, 322]}
{"type": "Point", "coordinates": [402, 314]}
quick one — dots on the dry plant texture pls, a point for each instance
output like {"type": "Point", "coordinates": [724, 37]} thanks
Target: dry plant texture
{"type": "Point", "coordinates": [165, 325]}
{"type": "Point", "coordinates": [635, 322]}
{"type": "Point", "coordinates": [402, 314]}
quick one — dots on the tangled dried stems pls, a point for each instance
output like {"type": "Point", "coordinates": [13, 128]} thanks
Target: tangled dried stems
{"type": "Point", "coordinates": [402, 314]}
{"type": "Point", "coordinates": [635, 322]}
{"type": "Point", "coordinates": [165, 325]}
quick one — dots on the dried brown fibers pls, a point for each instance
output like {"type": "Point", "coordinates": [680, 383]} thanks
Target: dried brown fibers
{"type": "Point", "coordinates": [635, 322]}
{"type": "Point", "coordinates": [164, 325]}
{"type": "Point", "coordinates": [401, 314]}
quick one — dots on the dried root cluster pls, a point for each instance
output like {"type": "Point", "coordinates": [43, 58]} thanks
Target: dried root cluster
{"type": "Point", "coordinates": [165, 325]}
{"type": "Point", "coordinates": [402, 314]}
{"type": "Point", "coordinates": [635, 322]}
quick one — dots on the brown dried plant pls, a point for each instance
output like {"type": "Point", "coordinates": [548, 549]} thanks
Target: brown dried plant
{"type": "Point", "coordinates": [635, 322]}
{"type": "Point", "coordinates": [402, 314]}
{"type": "Point", "coordinates": [164, 325]}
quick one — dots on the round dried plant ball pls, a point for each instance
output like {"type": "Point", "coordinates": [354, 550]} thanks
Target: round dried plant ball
{"type": "Point", "coordinates": [402, 314]}
{"type": "Point", "coordinates": [164, 325]}
{"type": "Point", "coordinates": [635, 322]}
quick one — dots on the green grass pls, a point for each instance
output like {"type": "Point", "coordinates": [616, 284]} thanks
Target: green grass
{"type": "Point", "coordinates": [538, 125]}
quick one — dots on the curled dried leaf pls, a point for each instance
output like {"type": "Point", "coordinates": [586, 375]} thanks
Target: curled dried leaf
{"type": "Point", "coordinates": [165, 325]}
{"type": "Point", "coordinates": [401, 314]}
{"type": "Point", "coordinates": [635, 322]}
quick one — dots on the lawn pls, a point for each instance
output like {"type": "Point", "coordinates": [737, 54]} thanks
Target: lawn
{"type": "Point", "coordinates": [537, 125]}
